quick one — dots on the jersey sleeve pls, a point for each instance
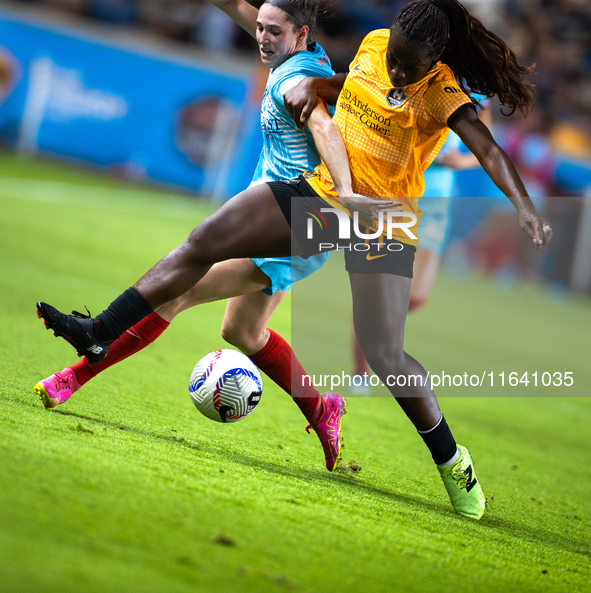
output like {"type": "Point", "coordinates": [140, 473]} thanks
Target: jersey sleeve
{"type": "Point", "coordinates": [366, 48]}
{"type": "Point", "coordinates": [444, 100]}
{"type": "Point", "coordinates": [305, 67]}
{"type": "Point", "coordinates": [285, 84]}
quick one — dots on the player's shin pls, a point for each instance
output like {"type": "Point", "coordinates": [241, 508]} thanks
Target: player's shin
{"type": "Point", "coordinates": [323, 412]}
{"type": "Point", "coordinates": [126, 310]}
{"type": "Point", "coordinates": [277, 360]}
{"type": "Point", "coordinates": [133, 340]}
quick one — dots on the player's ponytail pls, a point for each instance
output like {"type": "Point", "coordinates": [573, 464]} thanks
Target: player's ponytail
{"type": "Point", "coordinates": [301, 12]}
{"type": "Point", "coordinates": [312, 10]}
{"type": "Point", "coordinates": [481, 61]}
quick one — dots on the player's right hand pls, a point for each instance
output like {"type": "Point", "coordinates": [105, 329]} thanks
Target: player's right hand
{"type": "Point", "coordinates": [369, 209]}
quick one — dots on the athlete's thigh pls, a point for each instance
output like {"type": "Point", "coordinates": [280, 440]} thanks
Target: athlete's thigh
{"type": "Point", "coordinates": [227, 279]}
{"type": "Point", "coordinates": [380, 305]}
{"type": "Point", "coordinates": [251, 224]}
{"type": "Point", "coordinates": [224, 280]}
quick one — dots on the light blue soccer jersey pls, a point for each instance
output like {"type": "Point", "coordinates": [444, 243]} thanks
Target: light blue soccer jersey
{"type": "Point", "coordinates": [287, 153]}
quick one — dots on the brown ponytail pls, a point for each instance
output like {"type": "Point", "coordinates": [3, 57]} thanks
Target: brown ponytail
{"type": "Point", "coordinates": [309, 11]}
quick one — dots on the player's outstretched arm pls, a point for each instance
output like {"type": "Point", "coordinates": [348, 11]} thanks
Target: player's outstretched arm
{"type": "Point", "coordinates": [240, 11]}
{"type": "Point", "coordinates": [301, 99]}
{"type": "Point", "coordinates": [494, 160]}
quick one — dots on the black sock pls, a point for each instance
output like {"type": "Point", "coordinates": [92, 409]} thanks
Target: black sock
{"type": "Point", "coordinates": [126, 310]}
{"type": "Point", "coordinates": [440, 441]}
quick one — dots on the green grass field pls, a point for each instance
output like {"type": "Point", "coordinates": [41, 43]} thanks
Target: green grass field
{"type": "Point", "coordinates": [126, 487]}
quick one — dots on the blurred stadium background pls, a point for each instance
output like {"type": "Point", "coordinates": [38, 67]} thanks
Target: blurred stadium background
{"type": "Point", "coordinates": [167, 92]}
{"type": "Point", "coordinates": [128, 488]}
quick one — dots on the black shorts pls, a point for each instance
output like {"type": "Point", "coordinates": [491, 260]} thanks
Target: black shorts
{"type": "Point", "coordinates": [314, 231]}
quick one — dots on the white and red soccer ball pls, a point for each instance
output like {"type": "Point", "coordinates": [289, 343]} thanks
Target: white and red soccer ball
{"type": "Point", "coordinates": [225, 386]}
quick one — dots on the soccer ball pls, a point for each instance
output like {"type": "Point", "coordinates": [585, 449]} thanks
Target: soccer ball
{"type": "Point", "coordinates": [225, 386]}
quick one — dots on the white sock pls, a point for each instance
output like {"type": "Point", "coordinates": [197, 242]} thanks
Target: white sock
{"type": "Point", "coordinates": [452, 460]}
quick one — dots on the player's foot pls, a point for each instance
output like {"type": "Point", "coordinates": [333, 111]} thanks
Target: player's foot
{"type": "Point", "coordinates": [328, 427]}
{"type": "Point", "coordinates": [77, 329]}
{"type": "Point", "coordinates": [462, 486]}
{"type": "Point", "coordinates": [57, 388]}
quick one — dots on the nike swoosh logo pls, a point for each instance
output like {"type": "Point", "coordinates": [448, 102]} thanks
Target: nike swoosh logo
{"type": "Point", "coordinates": [370, 257]}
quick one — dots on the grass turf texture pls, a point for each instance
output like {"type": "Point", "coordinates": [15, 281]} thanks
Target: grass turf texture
{"type": "Point", "coordinates": [126, 487]}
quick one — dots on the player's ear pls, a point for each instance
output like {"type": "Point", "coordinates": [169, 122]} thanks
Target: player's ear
{"type": "Point", "coordinates": [303, 33]}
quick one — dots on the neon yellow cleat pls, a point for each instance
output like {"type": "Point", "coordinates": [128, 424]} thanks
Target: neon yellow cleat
{"type": "Point", "coordinates": [462, 486]}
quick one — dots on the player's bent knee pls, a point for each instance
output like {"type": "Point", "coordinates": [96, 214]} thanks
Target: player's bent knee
{"type": "Point", "coordinates": [202, 247]}
{"type": "Point", "coordinates": [196, 247]}
{"type": "Point", "coordinates": [236, 335]}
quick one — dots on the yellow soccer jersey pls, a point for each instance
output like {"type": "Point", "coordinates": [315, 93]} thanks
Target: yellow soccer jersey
{"type": "Point", "coordinates": [392, 135]}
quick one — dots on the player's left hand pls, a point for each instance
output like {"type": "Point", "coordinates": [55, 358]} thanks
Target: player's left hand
{"type": "Point", "coordinates": [536, 227]}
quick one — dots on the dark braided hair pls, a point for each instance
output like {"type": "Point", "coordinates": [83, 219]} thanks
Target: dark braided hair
{"type": "Point", "coordinates": [480, 60]}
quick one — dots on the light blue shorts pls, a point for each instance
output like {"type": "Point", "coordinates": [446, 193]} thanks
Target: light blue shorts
{"type": "Point", "coordinates": [284, 271]}
{"type": "Point", "coordinates": [435, 223]}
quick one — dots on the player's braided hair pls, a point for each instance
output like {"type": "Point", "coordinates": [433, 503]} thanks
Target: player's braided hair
{"type": "Point", "coordinates": [481, 61]}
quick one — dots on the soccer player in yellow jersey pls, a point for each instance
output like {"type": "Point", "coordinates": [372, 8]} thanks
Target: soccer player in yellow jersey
{"type": "Point", "coordinates": [390, 143]}
{"type": "Point", "coordinates": [392, 116]}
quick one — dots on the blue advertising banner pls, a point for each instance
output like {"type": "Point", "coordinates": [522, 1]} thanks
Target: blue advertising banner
{"type": "Point", "coordinates": [137, 115]}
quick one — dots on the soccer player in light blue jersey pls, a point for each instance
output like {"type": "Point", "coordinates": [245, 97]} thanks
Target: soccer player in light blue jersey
{"type": "Point", "coordinates": [254, 287]}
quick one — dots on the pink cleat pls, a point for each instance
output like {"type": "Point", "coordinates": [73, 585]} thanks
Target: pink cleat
{"type": "Point", "coordinates": [328, 427]}
{"type": "Point", "coordinates": [57, 388]}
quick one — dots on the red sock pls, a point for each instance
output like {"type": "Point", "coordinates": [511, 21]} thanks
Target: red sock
{"type": "Point", "coordinates": [361, 365]}
{"type": "Point", "coordinates": [277, 360]}
{"type": "Point", "coordinates": [416, 303]}
{"type": "Point", "coordinates": [133, 340]}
